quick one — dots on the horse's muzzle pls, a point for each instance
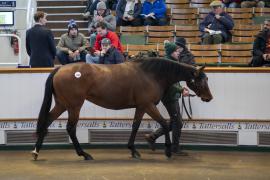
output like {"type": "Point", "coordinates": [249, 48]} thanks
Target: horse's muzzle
{"type": "Point", "coordinates": [206, 99]}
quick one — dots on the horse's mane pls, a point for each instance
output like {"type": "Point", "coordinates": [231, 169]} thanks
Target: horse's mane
{"type": "Point", "coordinates": [163, 67]}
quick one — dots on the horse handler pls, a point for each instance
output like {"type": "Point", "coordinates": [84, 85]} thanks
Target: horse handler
{"type": "Point", "coordinates": [171, 102]}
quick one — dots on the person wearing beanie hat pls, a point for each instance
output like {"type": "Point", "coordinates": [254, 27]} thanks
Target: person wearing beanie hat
{"type": "Point", "coordinates": [102, 14]}
{"type": "Point", "coordinates": [72, 45]}
{"type": "Point", "coordinates": [171, 102]}
{"type": "Point", "coordinates": [216, 26]}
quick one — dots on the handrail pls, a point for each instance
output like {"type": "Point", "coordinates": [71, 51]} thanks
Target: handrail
{"type": "Point", "coordinates": [20, 48]}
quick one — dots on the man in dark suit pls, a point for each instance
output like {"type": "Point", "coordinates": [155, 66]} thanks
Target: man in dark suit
{"type": "Point", "coordinates": [40, 44]}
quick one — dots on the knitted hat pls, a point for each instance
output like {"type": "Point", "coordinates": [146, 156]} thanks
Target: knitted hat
{"type": "Point", "coordinates": [101, 5]}
{"type": "Point", "coordinates": [72, 24]}
{"type": "Point", "coordinates": [216, 3]}
{"type": "Point", "coordinates": [180, 41]}
{"type": "Point", "coordinates": [170, 48]}
{"type": "Point", "coordinates": [106, 41]}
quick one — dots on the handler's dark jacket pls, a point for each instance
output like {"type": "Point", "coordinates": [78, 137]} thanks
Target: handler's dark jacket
{"type": "Point", "coordinates": [173, 93]}
{"type": "Point", "coordinates": [40, 46]}
{"type": "Point", "coordinates": [112, 56]}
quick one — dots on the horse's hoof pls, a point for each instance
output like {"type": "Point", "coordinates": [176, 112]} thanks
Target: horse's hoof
{"type": "Point", "coordinates": [136, 155]}
{"type": "Point", "coordinates": [34, 155]}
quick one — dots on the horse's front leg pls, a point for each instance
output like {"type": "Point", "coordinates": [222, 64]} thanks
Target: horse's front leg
{"type": "Point", "coordinates": [155, 114]}
{"type": "Point", "coordinates": [71, 129]}
{"type": "Point", "coordinates": [135, 126]}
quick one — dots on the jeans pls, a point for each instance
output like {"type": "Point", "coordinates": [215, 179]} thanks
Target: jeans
{"type": "Point", "coordinates": [65, 59]}
{"type": "Point", "coordinates": [92, 59]}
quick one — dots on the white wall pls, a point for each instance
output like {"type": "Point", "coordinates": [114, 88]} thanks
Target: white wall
{"type": "Point", "coordinates": [236, 96]}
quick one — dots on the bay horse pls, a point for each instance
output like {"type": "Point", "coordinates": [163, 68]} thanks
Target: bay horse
{"type": "Point", "coordinates": [138, 84]}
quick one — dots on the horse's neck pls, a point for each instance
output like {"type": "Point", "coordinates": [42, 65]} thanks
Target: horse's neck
{"type": "Point", "coordinates": [184, 73]}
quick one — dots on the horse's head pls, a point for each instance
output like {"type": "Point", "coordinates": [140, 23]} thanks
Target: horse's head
{"type": "Point", "coordinates": [199, 84]}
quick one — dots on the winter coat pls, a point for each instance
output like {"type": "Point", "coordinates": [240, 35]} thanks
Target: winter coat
{"type": "Point", "coordinates": [67, 43]}
{"type": "Point", "coordinates": [40, 46]}
{"type": "Point", "coordinates": [114, 40]}
{"type": "Point", "coordinates": [112, 56]}
{"type": "Point", "coordinates": [186, 57]}
{"type": "Point", "coordinates": [158, 7]}
{"type": "Point", "coordinates": [120, 9]}
{"type": "Point", "coordinates": [109, 20]}
{"type": "Point", "coordinates": [173, 93]}
{"type": "Point", "coordinates": [259, 45]}
{"type": "Point", "coordinates": [224, 24]}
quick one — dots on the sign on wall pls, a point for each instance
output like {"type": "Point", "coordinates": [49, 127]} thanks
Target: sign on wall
{"type": "Point", "coordinates": [8, 3]}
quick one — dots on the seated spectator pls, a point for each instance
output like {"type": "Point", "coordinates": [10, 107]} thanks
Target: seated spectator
{"type": "Point", "coordinates": [101, 15]}
{"type": "Point", "coordinates": [71, 46]}
{"type": "Point", "coordinates": [261, 47]}
{"type": "Point", "coordinates": [91, 7]}
{"type": "Point", "coordinates": [154, 13]}
{"type": "Point", "coordinates": [231, 3]}
{"type": "Point", "coordinates": [103, 32]}
{"type": "Point", "coordinates": [252, 3]}
{"type": "Point", "coordinates": [108, 54]}
{"type": "Point", "coordinates": [128, 13]}
{"type": "Point", "coordinates": [185, 55]}
{"type": "Point", "coordinates": [216, 25]}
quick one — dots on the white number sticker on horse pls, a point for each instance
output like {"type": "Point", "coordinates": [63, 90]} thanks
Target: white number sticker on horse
{"type": "Point", "coordinates": [77, 74]}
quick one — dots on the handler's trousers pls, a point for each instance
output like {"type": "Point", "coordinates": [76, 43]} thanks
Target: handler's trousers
{"type": "Point", "coordinates": [176, 124]}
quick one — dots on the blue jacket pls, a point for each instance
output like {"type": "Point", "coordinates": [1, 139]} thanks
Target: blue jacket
{"type": "Point", "coordinates": [120, 9]}
{"type": "Point", "coordinates": [224, 24]}
{"type": "Point", "coordinates": [158, 7]}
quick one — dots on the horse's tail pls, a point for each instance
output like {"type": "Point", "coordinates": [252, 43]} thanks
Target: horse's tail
{"type": "Point", "coordinates": [46, 104]}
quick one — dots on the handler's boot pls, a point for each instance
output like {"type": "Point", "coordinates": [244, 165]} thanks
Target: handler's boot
{"type": "Point", "coordinates": [151, 141]}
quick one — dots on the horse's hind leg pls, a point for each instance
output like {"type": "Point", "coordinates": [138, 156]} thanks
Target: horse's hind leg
{"type": "Point", "coordinates": [155, 114]}
{"type": "Point", "coordinates": [73, 117]}
{"type": "Point", "coordinates": [135, 126]}
{"type": "Point", "coordinates": [53, 114]}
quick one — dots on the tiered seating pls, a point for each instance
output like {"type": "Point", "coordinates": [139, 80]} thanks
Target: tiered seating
{"type": "Point", "coordinates": [157, 34]}
{"type": "Point", "coordinates": [184, 16]}
{"type": "Point", "coordinates": [177, 4]}
{"type": "Point", "coordinates": [200, 3]}
{"type": "Point", "coordinates": [245, 33]}
{"type": "Point", "coordinates": [241, 15]}
{"type": "Point", "coordinates": [132, 49]}
{"type": "Point", "coordinates": [261, 12]}
{"type": "Point", "coordinates": [190, 33]}
{"type": "Point", "coordinates": [202, 13]}
{"type": "Point", "coordinates": [236, 53]}
{"type": "Point", "coordinates": [206, 53]}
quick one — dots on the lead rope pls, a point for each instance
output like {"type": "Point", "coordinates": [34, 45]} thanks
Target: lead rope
{"type": "Point", "coordinates": [189, 114]}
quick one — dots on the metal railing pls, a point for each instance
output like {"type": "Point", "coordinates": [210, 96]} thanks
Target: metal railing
{"type": "Point", "coordinates": [20, 49]}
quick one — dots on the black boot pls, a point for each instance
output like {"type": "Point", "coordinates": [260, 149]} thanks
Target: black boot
{"type": "Point", "coordinates": [151, 141]}
{"type": "Point", "coordinates": [177, 151]}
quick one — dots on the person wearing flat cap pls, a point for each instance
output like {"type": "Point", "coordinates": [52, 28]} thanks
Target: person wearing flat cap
{"type": "Point", "coordinates": [171, 102]}
{"type": "Point", "coordinates": [72, 45]}
{"type": "Point", "coordinates": [216, 26]}
{"type": "Point", "coordinates": [108, 54]}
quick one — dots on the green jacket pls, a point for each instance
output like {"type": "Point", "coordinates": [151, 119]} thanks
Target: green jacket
{"type": "Point", "coordinates": [174, 92]}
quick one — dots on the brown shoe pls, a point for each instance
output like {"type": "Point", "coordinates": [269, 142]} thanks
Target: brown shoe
{"type": "Point", "coordinates": [150, 141]}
